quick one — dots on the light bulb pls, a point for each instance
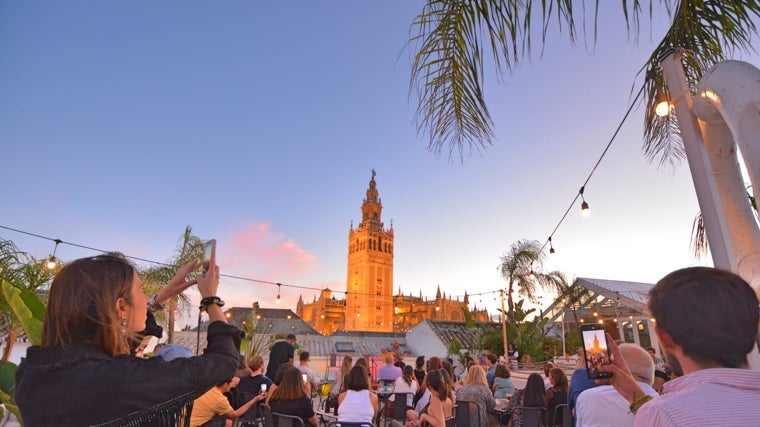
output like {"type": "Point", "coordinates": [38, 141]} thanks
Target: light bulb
{"type": "Point", "coordinates": [585, 211]}
{"type": "Point", "coordinates": [662, 109]}
{"type": "Point", "coordinates": [532, 275]}
{"type": "Point", "coordinates": [278, 300]}
{"type": "Point", "coordinates": [51, 264]}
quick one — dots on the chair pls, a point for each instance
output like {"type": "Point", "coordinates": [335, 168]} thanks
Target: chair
{"type": "Point", "coordinates": [285, 420]}
{"type": "Point", "coordinates": [465, 409]}
{"type": "Point", "coordinates": [400, 403]}
{"type": "Point", "coordinates": [562, 416]}
{"type": "Point", "coordinates": [450, 422]}
{"type": "Point", "coordinates": [530, 416]}
{"type": "Point", "coordinates": [255, 415]}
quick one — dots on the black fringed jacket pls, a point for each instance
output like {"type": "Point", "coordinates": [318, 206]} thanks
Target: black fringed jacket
{"type": "Point", "coordinates": [81, 385]}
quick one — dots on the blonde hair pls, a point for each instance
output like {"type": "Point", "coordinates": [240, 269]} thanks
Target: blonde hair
{"type": "Point", "coordinates": [475, 375]}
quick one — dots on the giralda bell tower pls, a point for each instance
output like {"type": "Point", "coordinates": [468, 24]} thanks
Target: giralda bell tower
{"type": "Point", "coordinates": [369, 282]}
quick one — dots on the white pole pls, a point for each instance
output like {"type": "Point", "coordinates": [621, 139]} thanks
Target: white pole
{"type": "Point", "coordinates": [727, 108]}
{"type": "Point", "coordinates": [704, 185]}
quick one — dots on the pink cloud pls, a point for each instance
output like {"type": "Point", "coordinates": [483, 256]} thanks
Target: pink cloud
{"type": "Point", "coordinates": [257, 252]}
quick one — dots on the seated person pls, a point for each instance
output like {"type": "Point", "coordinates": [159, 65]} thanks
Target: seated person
{"type": "Point", "coordinates": [533, 395]}
{"type": "Point", "coordinates": [557, 394]}
{"type": "Point", "coordinates": [357, 403]}
{"type": "Point", "coordinates": [252, 383]}
{"type": "Point", "coordinates": [406, 383]}
{"type": "Point", "coordinates": [441, 404]}
{"type": "Point", "coordinates": [502, 383]}
{"type": "Point", "coordinates": [214, 402]}
{"type": "Point", "coordinates": [291, 396]}
{"type": "Point", "coordinates": [475, 389]}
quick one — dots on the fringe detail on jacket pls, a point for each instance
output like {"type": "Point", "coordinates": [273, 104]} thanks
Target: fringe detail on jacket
{"type": "Point", "coordinates": [174, 413]}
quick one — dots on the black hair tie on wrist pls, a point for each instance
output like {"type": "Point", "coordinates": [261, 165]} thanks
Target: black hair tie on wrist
{"type": "Point", "coordinates": [205, 302]}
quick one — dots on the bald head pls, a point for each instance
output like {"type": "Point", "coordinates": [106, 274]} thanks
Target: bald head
{"type": "Point", "coordinates": [639, 362]}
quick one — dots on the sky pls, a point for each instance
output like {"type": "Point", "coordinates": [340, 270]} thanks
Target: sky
{"type": "Point", "coordinates": [258, 124]}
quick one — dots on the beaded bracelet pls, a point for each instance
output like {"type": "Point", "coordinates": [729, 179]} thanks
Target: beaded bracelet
{"type": "Point", "coordinates": [638, 402]}
{"type": "Point", "coordinates": [205, 302]}
{"type": "Point", "coordinates": [153, 305]}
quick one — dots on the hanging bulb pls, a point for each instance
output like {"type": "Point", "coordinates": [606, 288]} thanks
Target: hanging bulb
{"type": "Point", "coordinates": [584, 206]}
{"type": "Point", "coordinates": [551, 248]}
{"type": "Point", "coordinates": [532, 274]}
{"type": "Point", "coordinates": [51, 262]}
{"type": "Point", "coordinates": [437, 308]}
{"type": "Point", "coordinates": [278, 300]}
{"type": "Point", "coordinates": [662, 104]}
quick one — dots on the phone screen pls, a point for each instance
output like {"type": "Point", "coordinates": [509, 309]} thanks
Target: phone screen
{"type": "Point", "coordinates": [208, 250]}
{"type": "Point", "coordinates": [596, 352]}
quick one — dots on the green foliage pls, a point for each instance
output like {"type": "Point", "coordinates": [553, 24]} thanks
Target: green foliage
{"type": "Point", "coordinates": [469, 320]}
{"type": "Point", "coordinates": [254, 344]}
{"type": "Point", "coordinates": [491, 340]}
{"type": "Point", "coordinates": [27, 308]}
{"type": "Point", "coordinates": [7, 386]}
{"type": "Point", "coordinates": [456, 350]}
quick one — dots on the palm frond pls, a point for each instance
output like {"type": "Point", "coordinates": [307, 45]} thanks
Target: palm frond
{"type": "Point", "coordinates": [447, 71]}
{"type": "Point", "coordinates": [698, 242]}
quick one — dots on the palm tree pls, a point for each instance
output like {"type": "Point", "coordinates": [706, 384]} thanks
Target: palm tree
{"type": "Point", "coordinates": [520, 266]}
{"type": "Point", "coordinates": [453, 36]}
{"type": "Point", "coordinates": [190, 247]}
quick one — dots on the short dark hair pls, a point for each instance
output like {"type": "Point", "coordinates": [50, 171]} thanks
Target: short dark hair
{"type": "Point", "coordinates": [304, 356]}
{"type": "Point", "coordinates": [290, 337]}
{"type": "Point", "coordinates": [712, 314]}
{"type": "Point", "coordinates": [491, 357]}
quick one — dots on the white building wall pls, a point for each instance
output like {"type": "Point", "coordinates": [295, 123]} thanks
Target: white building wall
{"type": "Point", "coordinates": [424, 342]}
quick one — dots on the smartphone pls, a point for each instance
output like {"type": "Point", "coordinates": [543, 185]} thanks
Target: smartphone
{"type": "Point", "coordinates": [596, 350]}
{"type": "Point", "coordinates": [305, 377]}
{"type": "Point", "coordinates": [263, 388]}
{"type": "Point", "coordinates": [208, 250]}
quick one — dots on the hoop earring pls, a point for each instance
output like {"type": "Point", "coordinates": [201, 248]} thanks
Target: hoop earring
{"type": "Point", "coordinates": [124, 324]}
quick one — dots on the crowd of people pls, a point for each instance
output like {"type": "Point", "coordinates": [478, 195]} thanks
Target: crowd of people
{"type": "Point", "coordinates": [89, 368]}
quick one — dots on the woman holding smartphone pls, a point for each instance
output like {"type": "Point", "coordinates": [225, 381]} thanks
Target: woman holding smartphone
{"type": "Point", "coordinates": [82, 372]}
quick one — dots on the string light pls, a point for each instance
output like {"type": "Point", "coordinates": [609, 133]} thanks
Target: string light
{"type": "Point", "coordinates": [662, 104]}
{"type": "Point", "coordinates": [584, 206]}
{"type": "Point", "coordinates": [51, 262]}
{"type": "Point", "coordinates": [278, 300]}
{"type": "Point", "coordinates": [551, 248]}
{"type": "Point", "coordinates": [593, 170]}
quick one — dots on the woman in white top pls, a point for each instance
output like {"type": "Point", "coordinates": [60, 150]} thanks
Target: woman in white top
{"type": "Point", "coordinates": [357, 403]}
{"type": "Point", "coordinates": [406, 383]}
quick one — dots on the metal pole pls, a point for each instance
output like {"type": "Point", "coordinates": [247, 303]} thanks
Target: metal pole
{"type": "Point", "coordinates": [504, 325]}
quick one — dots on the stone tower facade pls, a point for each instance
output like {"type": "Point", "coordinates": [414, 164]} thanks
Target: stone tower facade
{"type": "Point", "coordinates": [369, 303]}
{"type": "Point", "coordinates": [369, 279]}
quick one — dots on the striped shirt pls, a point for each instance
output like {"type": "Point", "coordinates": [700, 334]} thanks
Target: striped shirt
{"type": "Point", "coordinates": [708, 397]}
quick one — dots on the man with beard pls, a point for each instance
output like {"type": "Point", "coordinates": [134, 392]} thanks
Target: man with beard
{"type": "Point", "coordinates": [707, 322]}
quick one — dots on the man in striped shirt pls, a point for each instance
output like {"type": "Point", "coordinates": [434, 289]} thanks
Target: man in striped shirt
{"type": "Point", "coordinates": [707, 322]}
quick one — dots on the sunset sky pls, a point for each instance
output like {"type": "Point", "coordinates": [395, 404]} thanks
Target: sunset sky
{"type": "Point", "coordinates": [258, 124]}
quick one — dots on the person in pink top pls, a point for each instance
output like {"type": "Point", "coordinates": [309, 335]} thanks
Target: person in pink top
{"type": "Point", "coordinates": [706, 320]}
